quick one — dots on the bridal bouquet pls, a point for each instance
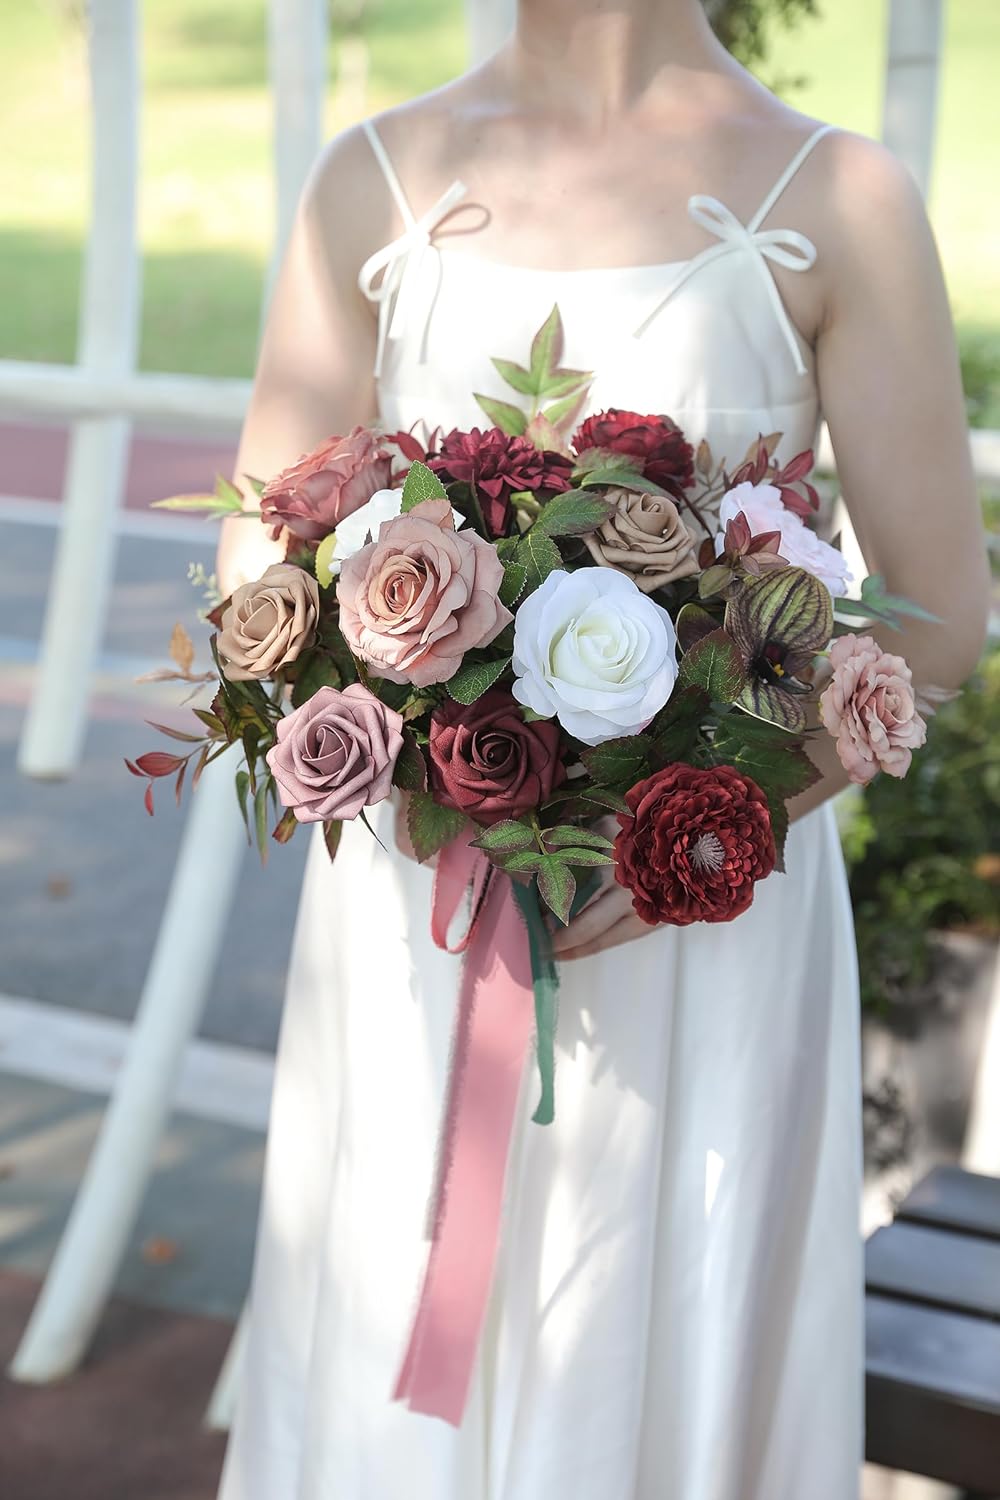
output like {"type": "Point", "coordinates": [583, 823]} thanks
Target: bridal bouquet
{"type": "Point", "coordinates": [526, 627]}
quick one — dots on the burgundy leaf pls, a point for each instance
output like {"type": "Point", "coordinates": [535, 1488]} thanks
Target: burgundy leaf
{"type": "Point", "coordinates": [148, 798]}
{"type": "Point", "coordinates": [159, 763]}
{"type": "Point", "coordinates": [797, 468]}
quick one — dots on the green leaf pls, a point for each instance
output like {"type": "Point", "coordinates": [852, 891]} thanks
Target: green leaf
{"type": "Point", "coordinates": [531, 717]}
{"type": "Point", "coordinates": [421, 484]}
{"type": "Point", "coordinates": [624, 475]}
{"type": "Point", "coordinates": [556, 886]}
{"type": "Point", "coordinates": [581, 856]}
{"type": "Point", "coordinates": [472, 681]}
{"type": "Point", "coordinates": [562, 414]}
{"type": "Point", "coordinates": [212, 505]}
{"type": "Point", "coordinates": [260, 819]}
{"type": "Point", "coordinates": [564, 383]}
{"type": "Point", "coordinates": [315, 672]}
{"type": "Point", "coordinates": [430, 825]}
{"type": "Point", "coordinates": [539, 555]}
{"type": "Point", "coordinates": [242, 791]}
{"type": "Point", "coordinates": [515, 580]}
{"type": "Point", "coordinates": [572, 515]}
{"type": "Point", "coordinates": [604, 798]}
{"type": "Point", "coordinates": [410, 773]}
{"type": "Point", "coordinates": [693, 623]}
{"type": "Point", "coordinates": [507, 837]}
{"type": "Point", "coordinates": [331, 837]}
{"type": "Point", "coordinates": [323, 559]}
{"type": "Point", "coordinates": [618, 763]}
{"type": "Point", "coordinates": [516, 376]}
{"type": "Point", "coordinates": [546, 347]}
{"type": "Point", "coordinates": [569, 836]}
{"type": "Point", "coordinates": [521, 862]}
{"type": "Point", "coordinates": [714, 579]}
{"type": "Point", "coordinates": [782, 770]}
{"type": "Point", "coordinates": [510, 419]}
{"type": "Point", "coordinates": [715, 664]}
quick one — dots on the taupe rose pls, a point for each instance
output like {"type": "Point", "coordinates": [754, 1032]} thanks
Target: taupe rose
{"type": "Point", "coordinates": [415, 601]}
{"type": "Point", "coordinates": [870, 709]}
{"type": "Point", "coordinates": [646, 538]}
{"type": "Point", "coordinates": [268, 622]}
{"type": "Point", "coordinates": [336, 754]}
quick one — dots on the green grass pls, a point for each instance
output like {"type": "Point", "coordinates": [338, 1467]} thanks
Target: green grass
{"type": "Point", "coordinates": [206, 211]}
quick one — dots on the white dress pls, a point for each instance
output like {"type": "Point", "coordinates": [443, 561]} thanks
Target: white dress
{"type": "Point", "coordinates": [677, 1313]}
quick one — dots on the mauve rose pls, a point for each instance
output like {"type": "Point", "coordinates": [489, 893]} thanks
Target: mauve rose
{"type": "Point", "coordinates": [336, 754]}
{"type": "Point", "coordinates": [490, 764]}
{"type": "Point", "coordinates": [869, 707]}
{"type": "Point", "coordinates": [333, 480]}
{"type": "Point", "coordinates": [645, 538]}
{"type": "Point", "coordinates": [415, 601]}
{"type": "Point", "coordinates": [268, 622]}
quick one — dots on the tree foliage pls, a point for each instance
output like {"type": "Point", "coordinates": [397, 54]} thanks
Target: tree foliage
{"type": "Point", "coordinates": [745, 27]}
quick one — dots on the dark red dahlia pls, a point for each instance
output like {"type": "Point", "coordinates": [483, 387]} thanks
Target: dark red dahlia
{"type": "Point", "coordinates": [694, 844]}
{"type": "Point", "coordinates": [658, 446]}
{"type": "Point", "coordinates": [499, 465]}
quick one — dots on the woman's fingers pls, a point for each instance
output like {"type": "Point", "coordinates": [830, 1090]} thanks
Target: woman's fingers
{"type": "Point", "coordinates": [602, 912]}
{"type": "Point", "coordinates": [626, 930]}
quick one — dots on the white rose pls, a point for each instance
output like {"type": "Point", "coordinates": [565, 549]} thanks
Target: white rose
{"type": "Point", "coordinates": [354, 530]}
{"type": "Point", "coordinates": [763, 507]}
{"type": "Point", "coordinates": [592, 649]}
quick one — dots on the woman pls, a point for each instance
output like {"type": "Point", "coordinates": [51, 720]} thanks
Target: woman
{"type": "Point", "coordinates": [678, 1305]}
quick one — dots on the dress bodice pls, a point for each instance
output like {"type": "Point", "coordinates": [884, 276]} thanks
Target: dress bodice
{"type": "Point", "coordinates": [706, 341]}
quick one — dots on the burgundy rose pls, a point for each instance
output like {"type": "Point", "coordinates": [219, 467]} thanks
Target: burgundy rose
{"type": "Point", "coordinates": [321, 487]}
{"type": "Point", "coordinates": [490, 764]}
{"type": "Point", "coordinates": [499, 465]}
{"type": "Point", "coordinates": [336, 754]}
{"type": "Point", "coordinates": [661, 452]}
{"type": "Point", "coordinates": [694, 845]}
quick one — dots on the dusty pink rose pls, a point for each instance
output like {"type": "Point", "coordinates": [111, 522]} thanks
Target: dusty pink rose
{"type": "Point", "coordinates": [336, 754]}
{"type": "Point", "coordinates": [869, 707]}
{"type": "Point", "coordinates": [327, 484]}
{"type": "Point", "coordinates": [413, 602]}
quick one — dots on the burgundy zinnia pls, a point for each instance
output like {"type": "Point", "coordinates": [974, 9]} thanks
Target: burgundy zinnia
{"type": "Point", "coordinates": [488, 762]}
{"type": "Point", "coordinates": [662, 453]}
{"type": "Point", "coordinates": [694, 845]}
{"type": "Point", "coordinates": [499, 465]}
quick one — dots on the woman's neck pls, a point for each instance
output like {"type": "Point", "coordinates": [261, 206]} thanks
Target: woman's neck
{"type": "Point", "coordinates": [601, 58]}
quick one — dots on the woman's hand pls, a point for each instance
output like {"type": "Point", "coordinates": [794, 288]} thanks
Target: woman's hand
{"type": "Point", "coordinates": [607, 920]}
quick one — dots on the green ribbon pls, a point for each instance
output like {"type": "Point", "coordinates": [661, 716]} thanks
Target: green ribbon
{"type": "Point", "coordinates": [545, 981]}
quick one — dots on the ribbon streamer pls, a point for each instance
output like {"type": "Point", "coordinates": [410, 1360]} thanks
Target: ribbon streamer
{"type": "Point", "coordinates": [493, 1031]}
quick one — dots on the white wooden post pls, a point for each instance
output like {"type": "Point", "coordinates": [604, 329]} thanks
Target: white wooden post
{"type": "Point", "coordinates": [200, 898]}
{"type": "Point", "coordinates": [913, 67]}
{"type": "Point", "coordinates": [95, 474]}
{"type": "Point", "coordinates": [490, 23]}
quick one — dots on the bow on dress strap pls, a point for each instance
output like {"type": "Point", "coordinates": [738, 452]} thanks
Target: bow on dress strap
{"type": "Point", "coordinates": [782, 247]}
{"type": "Point", "coordinates": [393, 292]}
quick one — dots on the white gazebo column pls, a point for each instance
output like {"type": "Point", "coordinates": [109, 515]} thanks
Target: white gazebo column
{"type": "Point", "coordinates": [201, 893]}
{"type": "Point", "coordinates": [913, 68]}
{"type": "Point", "coordinates": [98, 454]}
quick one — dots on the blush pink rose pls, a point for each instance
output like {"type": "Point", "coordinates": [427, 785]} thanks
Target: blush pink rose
{"type": "Point", "coordinates": [336, 754]}
{"type": "Point", "coordinates": [870, 709]}
{"type": "Point", "coordinates": [415, 601]}
{"type": "Point", "coordinates": [323, 486]}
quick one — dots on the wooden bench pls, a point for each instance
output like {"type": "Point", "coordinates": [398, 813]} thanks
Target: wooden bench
{"type": "Point", "coordinates": [933, 1333]}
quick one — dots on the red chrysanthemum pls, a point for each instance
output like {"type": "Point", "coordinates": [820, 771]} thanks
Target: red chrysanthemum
{"type": "Point", "coordinates": [659, 447]}
{"type": "Point", "coordinates": [694, 844]}
{"type": "Point", "coordinates": [499, 465]}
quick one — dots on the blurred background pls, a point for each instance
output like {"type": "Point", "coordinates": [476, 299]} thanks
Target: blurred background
{"type": "Point", "coordinates": [85, 874]}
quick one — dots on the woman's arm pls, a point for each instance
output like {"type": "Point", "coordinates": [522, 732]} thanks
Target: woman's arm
{"type": "Point", "coordinates": [314, 369]}
{"type": "Point", "coordinates": [892, 396]}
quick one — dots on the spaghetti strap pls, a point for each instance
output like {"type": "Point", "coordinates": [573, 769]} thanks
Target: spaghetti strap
{"type": "Point", "coordinates": [389, 173]}
{"type": "Point", "coordinates": [796, 162]}
{"type": "Point", "coordinates": [388, 274]}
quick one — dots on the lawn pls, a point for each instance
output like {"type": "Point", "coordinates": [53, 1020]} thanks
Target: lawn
{"type": "Point", "coordinates": [206, 208]}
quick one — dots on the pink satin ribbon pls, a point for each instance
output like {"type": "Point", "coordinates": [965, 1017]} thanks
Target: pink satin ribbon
{"type": "Point", "coordinates": [493, 1029]}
